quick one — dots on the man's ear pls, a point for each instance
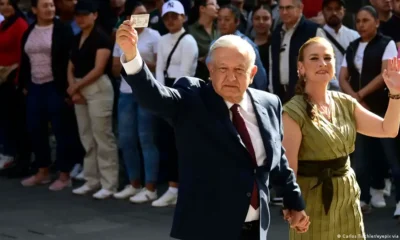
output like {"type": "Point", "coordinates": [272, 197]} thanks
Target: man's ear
{"type": "Point", "coordinates": [34, 10]}
{"type": "Point", "coordinates": [253, 73]}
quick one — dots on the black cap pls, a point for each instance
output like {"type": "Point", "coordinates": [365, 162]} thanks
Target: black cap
{"type": "Point", "coordinates": [325, 2]}
{"type": "Point", "coordinates": [85, 7]}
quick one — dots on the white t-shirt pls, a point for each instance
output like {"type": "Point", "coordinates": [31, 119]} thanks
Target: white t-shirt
{"type": "Point", "coordinates": [390, 52]}
{"type": "Point", "coordinates": [147, 46]}
{"type": "Point", "coordinates": [183, 61]}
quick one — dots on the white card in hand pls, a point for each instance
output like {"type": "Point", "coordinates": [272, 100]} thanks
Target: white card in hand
{"type": "Point", "coordinates": [140, 21]}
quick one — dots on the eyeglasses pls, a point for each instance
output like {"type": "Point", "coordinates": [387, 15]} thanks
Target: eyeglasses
{"type": "Point", "coordinates": [287, 8]}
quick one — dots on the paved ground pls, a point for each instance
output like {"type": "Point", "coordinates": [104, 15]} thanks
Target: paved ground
{"type": "Point", "coordinates": [37, 214]}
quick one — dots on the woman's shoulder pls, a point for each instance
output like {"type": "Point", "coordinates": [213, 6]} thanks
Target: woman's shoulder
{"type": "Point", "coordinates": [340, 96]}
{"type": "Point", "coordinates": [296, 109]}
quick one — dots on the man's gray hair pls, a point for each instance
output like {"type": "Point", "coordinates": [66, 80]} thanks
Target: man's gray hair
{"type": "Point", "coordinates": [233, 41]}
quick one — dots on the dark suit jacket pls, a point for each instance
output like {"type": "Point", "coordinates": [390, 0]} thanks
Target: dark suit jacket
{"type": "Point", "coordinates": [216, 175]}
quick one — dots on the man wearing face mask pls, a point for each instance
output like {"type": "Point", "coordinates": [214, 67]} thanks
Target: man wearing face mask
{"type": "Point", "coordinates": [339, 35]}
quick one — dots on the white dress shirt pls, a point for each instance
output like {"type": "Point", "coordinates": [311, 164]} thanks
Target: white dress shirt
{"type": "Point", "coordinates": [246, 110]}
{"type": "Point", "coordinates": [344, 37]}
{"type": "Point", "coordinates": [183, 61]}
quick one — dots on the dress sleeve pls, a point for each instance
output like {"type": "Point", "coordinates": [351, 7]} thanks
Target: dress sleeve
{"type": "Point", "coordinates": [296, 110]}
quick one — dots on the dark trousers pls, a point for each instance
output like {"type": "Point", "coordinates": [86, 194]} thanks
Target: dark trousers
{"type": "Point", "coordinates": [8, 119]}
{"type": "Point", "coordinates": [46, 104]}
{"type": "Point", "coordinates": [167, 145]}
{"type": "Point", "coordinates": [371, 158]}
{"type": "Point", "coordinates": [251, 231]}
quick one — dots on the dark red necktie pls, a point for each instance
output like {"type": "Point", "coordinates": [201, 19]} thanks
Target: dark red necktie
{"type": "Point", "coordinates": [240, 126]}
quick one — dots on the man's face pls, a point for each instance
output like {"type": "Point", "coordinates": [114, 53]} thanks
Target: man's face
{"type": "Point", "coordinates": [230, 72]}
{"type": "Point", "coordinates": [227, 23]}
{"type": "Point", "coordinates": [396, 7]}
{"type": "Point", "coordinates": [290, 11]}
{"type": "Point", "coordinates": [382, 5]}
{"type": "Point", "coordinates": [333, 13]}
{"type": "Point", "coordinates": [68, 5]}
{"type": "Point", "coordinates": [117, 3]}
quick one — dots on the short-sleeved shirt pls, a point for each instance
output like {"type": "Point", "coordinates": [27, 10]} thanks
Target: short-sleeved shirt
{"type": "Point", "coordinates": [84, 59]}
{"type": "Point", "coordinates": [390, 52]}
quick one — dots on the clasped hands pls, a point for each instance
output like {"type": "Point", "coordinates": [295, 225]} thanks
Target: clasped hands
{"type": "Point", "coordinates": [74, 93]}
{"type": "Point", "coordinates": [297, 220]}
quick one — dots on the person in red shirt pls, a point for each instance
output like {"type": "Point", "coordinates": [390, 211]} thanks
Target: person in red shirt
{"type": "Point", "coordinates": [11, 31]}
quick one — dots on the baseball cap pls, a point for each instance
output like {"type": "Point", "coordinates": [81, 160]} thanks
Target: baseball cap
{"type": "Point", "coordinates": [341, 2]}
{"type": "Point", "coordinates": [173, 6]}
{"type": "Point", "coordinates": [85, 7]}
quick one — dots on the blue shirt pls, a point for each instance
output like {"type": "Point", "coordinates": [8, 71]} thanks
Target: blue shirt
{"type": "Point", "coordinates": [260, 79]}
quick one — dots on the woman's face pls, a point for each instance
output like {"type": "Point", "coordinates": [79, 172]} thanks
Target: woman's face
{"type": "Point", "coordinates": [6, 9]}
{"type": "Point", "coordinates": [173, 21]}
{"type": "Point", "coordinates": [45, 10]}
{"type": "Point", "coordinates": [210, 9]}
{"type": "Point", "coordinates": [86, 21]}
{"type": "Point", "coordinates": [262, 21]}
{"type": "Point", "coordinates": [318, 64]}
{"type": "Point", "coordinates": [366, 25]}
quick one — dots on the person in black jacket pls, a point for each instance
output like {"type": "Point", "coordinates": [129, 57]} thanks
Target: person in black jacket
{"type": "Point", "coordinates": [43, 76]}
{"type": "Point", "coordinates": [361, 77]}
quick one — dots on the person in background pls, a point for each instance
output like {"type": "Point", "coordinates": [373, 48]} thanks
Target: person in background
{"type": "Point", "coordinates": [93, 95]}
{"type": "Point", "coordinates": [1, 18]}
{"type": "Point", "coordinates": [313, 11]}
{"type": "Point", "coordinates": [171, 64]}
{"type": "Point", "coordinates": [136, 125]}
{"type": "Point", "coordinates": [243, 20]}
{"type": "Point", "coordinates": [155, 9]}
{"type": "Point", "coordinates": [11, 32]}
{"type": "Point", "coordinates": [43, 76]}
{"type": "Point", "coordinates": [361, 77]}
{"type": "Point", "coordinates": [391, 27]}
{"type": "Point", "coordinates": [339, 35]}
{"type": "Point", "coordinates": [204, 30]}
{"type": "Point", "coordinates": [65, 9]}
{"type": "Point", "coordinates": [262, 23]}
{"type": "Point", "coordinates": [228, 21]}
{"type": "Point", "coordinates": [109, 14]}
{"type": "Point", "coordinates": [384, 9]}
{"type": "Point", "coordinates": [286, 41]}
{"type": "Point", "coordinates": [274, 6]}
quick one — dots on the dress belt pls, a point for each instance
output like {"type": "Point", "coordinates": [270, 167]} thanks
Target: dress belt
{"type": "Point", "coordinates": [324, 171]}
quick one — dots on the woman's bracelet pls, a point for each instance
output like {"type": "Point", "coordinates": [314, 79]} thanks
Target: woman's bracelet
{"type": "Point", "coordinates": [394, 96]}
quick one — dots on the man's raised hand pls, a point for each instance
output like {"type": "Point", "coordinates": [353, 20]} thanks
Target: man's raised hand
{"type": "Point", "coordinates": [127, 39]}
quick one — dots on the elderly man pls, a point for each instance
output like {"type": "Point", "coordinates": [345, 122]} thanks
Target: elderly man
{"type": "Point", "coordinates": [228, 139]}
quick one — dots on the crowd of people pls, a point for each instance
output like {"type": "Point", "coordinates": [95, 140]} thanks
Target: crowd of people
{"type": "Point", "coordinates": [61, 75]}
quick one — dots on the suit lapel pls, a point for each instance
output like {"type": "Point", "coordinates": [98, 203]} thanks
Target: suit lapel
{"type": "Point", "coordinates": [221, 112]}
{"type": "Point", "coordinates": [264, 125]}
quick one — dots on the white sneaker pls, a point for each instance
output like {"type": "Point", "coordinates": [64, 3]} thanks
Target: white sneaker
{"type": "Point", "coordinates": [80, 176]}
{"type": "Point", "coordinates": [5, 161]}
{"type": "Point", "coordinates": [103, 194]}
{"type": "Point", "coordinates": [128, 191]}
{"type": "Point", "coordinates": [388, 187]}
{"type": "Point", "coordinates": [377, 198]}
{"type": "Point", "coordinates": [397, 211]}
{"type": "Point", "coordinates": [76, 170]}
{"type": "Point", "coordinates": [144, 196]}
{"type": "Point", "coordinates": [83, 190]}
{"type": "Point", "coordinates": [169, 198]}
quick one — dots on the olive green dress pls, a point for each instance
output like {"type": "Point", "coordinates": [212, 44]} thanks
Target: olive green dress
{"type": "Point", "coordinates": [324, 140]}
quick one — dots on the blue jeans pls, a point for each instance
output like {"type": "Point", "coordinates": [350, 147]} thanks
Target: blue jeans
{"type": "Point", "coordinates": [136, 126]}
{"type": "Point", "coordinates": [45, 103]}
{"type": "Point", "coordinates": [372, 156]}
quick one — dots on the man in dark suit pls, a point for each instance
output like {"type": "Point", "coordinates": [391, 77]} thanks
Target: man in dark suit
{"type": "Point", "coordinates": [228, 138]}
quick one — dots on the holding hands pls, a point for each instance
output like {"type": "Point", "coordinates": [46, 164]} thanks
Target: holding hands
{"type": "Point", "coordinates": [297, 220]}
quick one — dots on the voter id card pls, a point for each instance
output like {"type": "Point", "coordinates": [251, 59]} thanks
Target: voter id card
{"type": "Point", "coordinates": [140, 21]}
